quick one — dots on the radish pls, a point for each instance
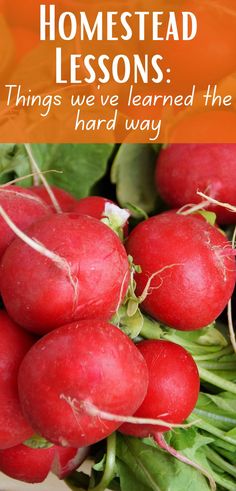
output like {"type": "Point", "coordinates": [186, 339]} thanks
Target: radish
{"type": "Point", "coordinates": [184, 169]}
{"type": "Point", "coordinates": [23, 207]}
{"type": "Point", "coordinates": [105, 210]}
{"type": "Point", "coordinates": [94, 206]}
{"type": "Point", "coordinates": [173, 386]}
{"type": "Point", "coordinates": [188, 269]}
{"type": "Point", "coordinates": [79, 270]}
{"type": "Point", "coordinates": [66, 201]}
{"type": "Point", "coordinates": [14, 344]}
{"type": "Point", "coordinates": [33, 465]}
{"type": "Point", "coordinates": [27, 464]}
{"type": "Point", "coordinates": [90, 363]}
{"type": "Point", "coordinates": [172, 393]}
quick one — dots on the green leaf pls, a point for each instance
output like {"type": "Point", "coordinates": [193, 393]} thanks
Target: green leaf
{"type": "Point", "coordinates": [225, 401]}
{"type": "Point", "coordinates": [209, 216]}
{"type": "Point", "coordinates": [128, 479]}
{"type": "Point", "coordinates": [138, 212]}
{"type": "Point", "coordinates": [13, 158]}
{"type": "Point", "coordinates": [82, 165]}
{"type": "Point", "coordinates": [157, 470]}
{"type": "Point", "coordinates": [78, 481]}
{"type": "Point", "coordinates": [188, 439]}
{"type": "Point", "coordinates": [133, 173]}
{"type": "Point", "coordinates": [213, 409]}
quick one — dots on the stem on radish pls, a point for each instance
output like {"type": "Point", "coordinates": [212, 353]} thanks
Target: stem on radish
{"type": "Point", "coordinates": [159, 439]}
{"type": "Point", "coordinates": [150, 329]}
{"type": "Point", "coordinates": [216, 355]}
{"type": "Point", "coordinates": [214, 416]}
{"type": "Point", "coordinates": [218, 365]}
{"type": "Point", "coordinates": [115, 218]}
{"type": "Point", "coordinates": [217, 460]}
{"type": "Point", "coordinates": [204, 425]}
{"type": "Point", "coordinates": [44, 181]}
{"type": "Point", "coordinates": [109, 470]}
{"type": "Point", "coordinates": [216, 380]}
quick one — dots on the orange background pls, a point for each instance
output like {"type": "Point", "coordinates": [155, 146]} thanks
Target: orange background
{"type": "Point", "coordinates": [209, 59]}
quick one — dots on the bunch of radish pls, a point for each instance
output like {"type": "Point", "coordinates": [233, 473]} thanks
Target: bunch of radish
{"type": "Point", "coordinates": [69, 376]}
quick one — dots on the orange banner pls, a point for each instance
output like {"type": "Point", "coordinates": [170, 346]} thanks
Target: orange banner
{"type": "Point", "coordinates": [134, 71]}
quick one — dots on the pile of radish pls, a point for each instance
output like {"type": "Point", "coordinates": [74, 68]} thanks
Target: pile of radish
{"type": "Point", "coordinates": [72, 278]}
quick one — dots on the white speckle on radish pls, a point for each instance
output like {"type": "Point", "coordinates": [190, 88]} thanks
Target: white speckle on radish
{"type": "Point", "coordinates": [116, 214]}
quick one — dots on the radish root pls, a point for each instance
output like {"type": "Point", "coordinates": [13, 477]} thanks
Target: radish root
{"type": "Point", "coordinates": [214, 201]}
{"type": "Point", "coordinates": [148, 288]}
{"type": "Point", "coordinates": [121, 293]}
{"type": "Point", "coordinates": [92, 410]}
{"type": "Point", "coordinates": [31, 197]}
{"type": "Point", "coordinates": [159, 439]}
{"type": "Point", "coordinates": [191, 208]}
{"type": "Point", "coordinates": [33, 174]}
{"type": "Point", "coordinates": [61, 262]}
{"type": "Point", "coordinates": [44, 181]}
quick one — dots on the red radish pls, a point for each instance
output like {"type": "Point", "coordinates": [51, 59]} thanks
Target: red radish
{"type": "Point", "coordinates": [90, 362]}
{"type": "Point", "coordinates": [67, 459]}
{"type": "Point", "coordinates": [23, 207]}
{"type": "Point", "coordinates": [99, 207]}
{"type": "Point", "coordinates": [66, 201]}
{"type": "Point", "coordinates": [33, 465]}
{"type": "Point", "coordinates": [172, 394]}
{"type": "Point", "coordinates": [27, 464]}
{"type": "Point", "coordinates": [173, 386]}
{"type": "Point", "coordinates": [184, 169]}
{"type": "Point", "coordinates": [189, 267]}
{"type": "Point", "coordinates": [94, 206]}
{"type": "Point", "coordinates": [85, 273]}
{"type": "Point", "coordinates": [14, 344]}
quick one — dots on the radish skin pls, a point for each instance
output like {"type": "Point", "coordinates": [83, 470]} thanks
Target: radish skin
{"type": "Point", "coordinates": [193, 293]}
{"type": "Point", "coordinates": [14, 344]}
{"type": "Point", "coordinates": [184, 169]}
{"type": "Point", "coordinates": [32, 465]}
{"type": "Point", "coordinates": [23, 207]}
{"type": "Point", "coordinates": [89, 361]}
{"type": "Point", "coordinates": [80, 270]}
